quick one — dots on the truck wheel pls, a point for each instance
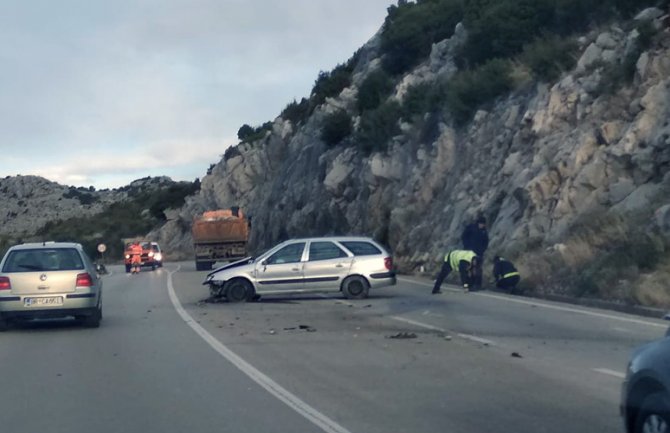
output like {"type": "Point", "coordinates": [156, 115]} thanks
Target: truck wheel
{"type": "Point", "coordinates": [239, 290]}
{"type": "Point", "coordinates": [127, 268]}
{"type": "Point", "coordinates": [355, 287]}
{"type": "Point", "coordinates": [203, 266]}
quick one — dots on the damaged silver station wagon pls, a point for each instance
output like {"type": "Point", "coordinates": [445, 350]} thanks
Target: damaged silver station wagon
{"type": "Point", "coordinates": [351, 265]}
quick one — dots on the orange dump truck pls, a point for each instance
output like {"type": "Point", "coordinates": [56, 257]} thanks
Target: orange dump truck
{"type": "Point", "coordinates": [219, 235]}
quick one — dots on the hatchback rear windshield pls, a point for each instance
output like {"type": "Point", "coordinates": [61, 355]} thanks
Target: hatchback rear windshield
{"type": "Point", "coordinates": [361, 248]}
{"type": "Point", "coordinates": [43, 259]}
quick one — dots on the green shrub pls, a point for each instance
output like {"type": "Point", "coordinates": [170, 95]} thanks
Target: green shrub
{"type": "Point", "coordinates": [378, 126]}
{"type": "Point", "coordinates": [245, 132]}
{"type": "Point", "coordinates": [336, 127]}
{"type": "Point", "coordinates": [376, 87]}
{"type": "Point", "coordinates": [248, 134]}
{"type": "Point", "coordinates": [468, 90]}
{"type": "Point", "coordinates": [423, 98]}
{"type": "Point", "coordinates": [296, 112]}
{"type": "Point", "coordinates": [330, 84]}
{"type": "Point", "coordinates": [548, 57]}
{"type": "Point", "coordinates": [410, 29]}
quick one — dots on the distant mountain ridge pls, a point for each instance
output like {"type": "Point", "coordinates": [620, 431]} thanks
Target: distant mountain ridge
{"type": "Point", "coordinates": [34, 208]}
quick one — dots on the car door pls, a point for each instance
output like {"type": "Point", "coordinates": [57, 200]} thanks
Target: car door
{"type": "Point", "coordinates": [282, 271]}
{"type": "Point", "coordinates": [326, 266]}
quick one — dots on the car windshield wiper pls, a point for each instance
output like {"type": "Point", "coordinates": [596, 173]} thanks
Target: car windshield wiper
{"type": "Point", "coordinates": [31, 267]}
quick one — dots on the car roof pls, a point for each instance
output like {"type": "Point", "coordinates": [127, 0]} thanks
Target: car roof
{"type": "Point", "coordinates": [47, 244]}
{"type": "Point", "coordinates": [333, 238]}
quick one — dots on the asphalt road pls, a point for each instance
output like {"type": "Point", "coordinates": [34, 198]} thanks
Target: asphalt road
{"type": "Point", "coordinates": [165, 361]}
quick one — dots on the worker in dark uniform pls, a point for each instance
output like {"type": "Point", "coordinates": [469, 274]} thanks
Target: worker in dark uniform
{"type": "Point", "coordinates": [505, 274]}
{"type": "Point", "coordinates": [466, 264]}
{"type": "Point", "coordinates": [475, 238]}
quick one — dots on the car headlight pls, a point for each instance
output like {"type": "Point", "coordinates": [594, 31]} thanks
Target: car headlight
{"type": "Point", "coordinates": [158, 256]}
{"type": "Point", "coordinates": [127, 256]}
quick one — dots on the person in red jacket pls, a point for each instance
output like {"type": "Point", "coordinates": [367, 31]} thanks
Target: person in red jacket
{"type": "Point", "coordinates": [136, 257]}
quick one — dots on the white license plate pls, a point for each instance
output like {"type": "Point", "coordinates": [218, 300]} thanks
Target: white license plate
{"type": "Point", "coordinates": [43, 302]}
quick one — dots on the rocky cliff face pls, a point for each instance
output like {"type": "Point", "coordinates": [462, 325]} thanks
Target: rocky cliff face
{"type": "Point", "coordinates": [551, 166]}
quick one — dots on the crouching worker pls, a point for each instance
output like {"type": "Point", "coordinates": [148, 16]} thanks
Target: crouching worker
{"type": "Point", "coordinates": [505, 274]}
{"type": "Point", "coordinates": [466, 262]}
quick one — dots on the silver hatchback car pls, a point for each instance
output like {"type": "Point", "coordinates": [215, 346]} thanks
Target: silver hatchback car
{"type": "Point", "coordinates": [351, 265]}
{"type": "Point", "coordinates": [49, 280]}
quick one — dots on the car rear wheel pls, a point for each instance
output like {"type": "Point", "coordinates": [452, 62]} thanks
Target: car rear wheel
{"type": "Point", "coordinates": [239, 290]}
{"type": "Point", "coordinates": [654, 416]}
{"type": "Point", "coordinates": [355, 287]}
{"type": "Point", "coordinates": [93, 321]}
{"type": "Point", "coordinates": [3, 324]}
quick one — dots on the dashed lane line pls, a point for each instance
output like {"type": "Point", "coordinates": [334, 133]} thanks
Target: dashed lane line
{"type": "Point", "coordinates": [551, 307]}
{"type": "Point", "coordinates": [435, 328]}
{"type": "Point", "coordinates": [282, 394]}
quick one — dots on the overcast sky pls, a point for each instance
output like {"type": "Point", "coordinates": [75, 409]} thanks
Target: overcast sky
{"type": "Point", "coordinates": [101, 93]}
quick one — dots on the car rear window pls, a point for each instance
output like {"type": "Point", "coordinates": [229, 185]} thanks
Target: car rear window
{"type": "Point", "coordinates": [361, 248]}
{"type": "Point", "coordinates": [55, 259]}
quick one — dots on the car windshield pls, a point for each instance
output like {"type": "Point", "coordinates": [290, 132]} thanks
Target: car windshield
{"type": "Point", "coordinates": [61, 259]}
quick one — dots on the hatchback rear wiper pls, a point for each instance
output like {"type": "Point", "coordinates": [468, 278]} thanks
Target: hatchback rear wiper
{"type": "Point", "coordinates": [31, 267]}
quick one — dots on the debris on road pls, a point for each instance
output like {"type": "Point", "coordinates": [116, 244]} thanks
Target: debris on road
{"type": "Point", "coordinates": [516, 355]}
{"type": "Point", "coordinates": [402, 336]}
{"type": "Point", "coordinates": [272, 332]}
{"type": "Point", "coordinates": [447, 337]}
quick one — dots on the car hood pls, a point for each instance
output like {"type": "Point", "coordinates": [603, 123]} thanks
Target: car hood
{"type": "Point", "coordinates": [237, 264]}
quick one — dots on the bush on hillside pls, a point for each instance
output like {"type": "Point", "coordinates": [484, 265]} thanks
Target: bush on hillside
{"type": "Point", "coordinates": [550, 56]}
{"type": "Point", "coordinates": [410, 29]}
{"type": "Point", "coordinates": [378, 126]}
{"type": "Point", "coordinates": [376, 87]}
{"type": "Point", "coordinates": [248, 134]}
{"type": "Point", "coordinates": [296, 112]}
{"type": "Point", "coordinates": [331, 84]}
{"type": "Point", "coordinates": [422, 98]}
{"type": "Point", "coordinates": [336, 127]}
{"type": "Point", "coordinates": [468, 90]}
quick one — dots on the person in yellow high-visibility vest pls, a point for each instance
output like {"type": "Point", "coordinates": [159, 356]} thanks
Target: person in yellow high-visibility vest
{"type": "Point", "coordinates": [465, 261]}
{"type": "Point", "coordinates": [506, 275]}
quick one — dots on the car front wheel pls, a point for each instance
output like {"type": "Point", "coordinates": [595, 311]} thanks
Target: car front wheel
{"type": "Point", "coordinates": [239, 291]}
{"type": "Point", "coordinates": [654, 416]}
{"type": "Point", "coordinates": [355, 287]}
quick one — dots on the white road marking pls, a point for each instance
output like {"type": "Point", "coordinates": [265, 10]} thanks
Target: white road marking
{"type": "Point", "coordinates": [553, 307]}
{"type": "Point", "coordinates": [291, 400]}
{"type": "Point", "coordinates": [418, 324]}
{"type": "Point", "coordinates": [477, 339]}
{"type": "Point", "coordinates": [435, 328]}
{"type": "Point", "coordinates": [609, 372]}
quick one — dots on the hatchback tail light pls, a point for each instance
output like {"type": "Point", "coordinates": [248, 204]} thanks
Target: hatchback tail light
{"type": "Point", "coordinates": [388, 263]}
{"type": "Point", "coordinates": [5, 284]}
{"type": "Point", "coordinates": [84, 280]}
